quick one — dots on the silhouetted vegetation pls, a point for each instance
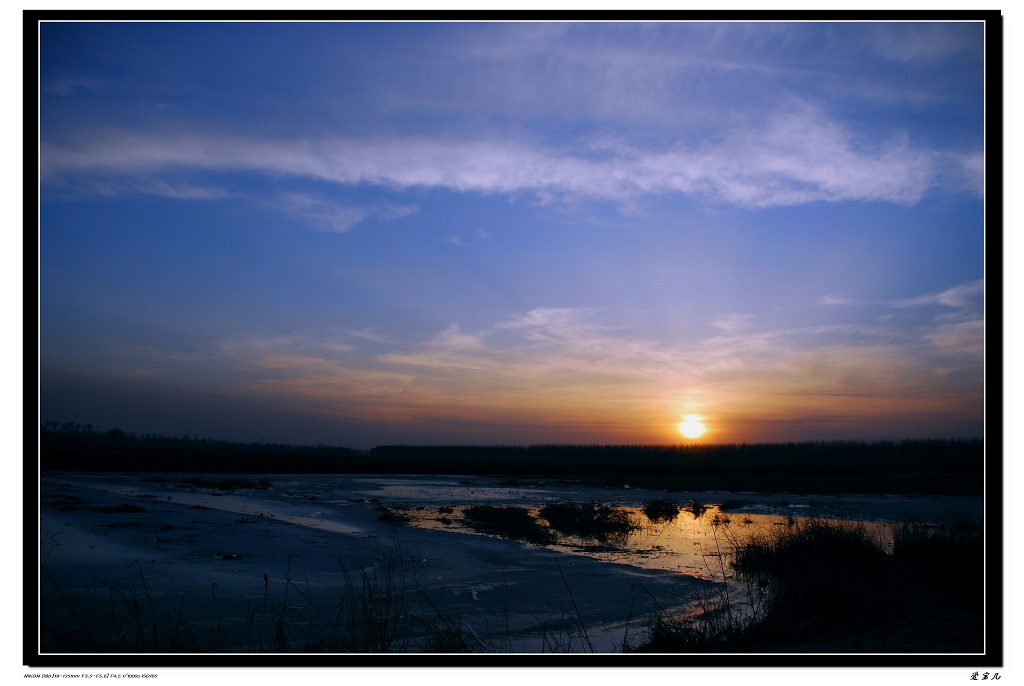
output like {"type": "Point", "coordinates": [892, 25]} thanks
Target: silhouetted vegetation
{"type": "Point", "coordinates": [818, 570]}
{"type": "Point", "coordinates": [73, 447]}
{"type": "Point", "coordinates": [509, 522]}
{"type": "Point", "coordinates": [833, 587]}
{"type": "Point", "coordinates": [949, 467]}
{"type": "Point", "coordinates": [589, 520]}
{"type": "Point", "coordinates": [695, 508]}
{"type": "Point", "coordinates": [662, 510]}
{"type": "Point", "coordinates": [393, 516]}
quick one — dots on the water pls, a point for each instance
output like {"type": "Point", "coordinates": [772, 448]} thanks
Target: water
{"type": "Point", "coordinates": [213, 556]}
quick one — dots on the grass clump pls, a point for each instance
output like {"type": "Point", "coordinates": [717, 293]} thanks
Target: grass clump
{"type": "Point", "coordinates": [825, 586]}
{"type": "Point", "coordinates": [121, 618]}
{"type": "Point", "coordinates": [589, 520]}
{"type": "Point", "coordinates": [938, 546]}
{"type": "Point", "coordinates": [813, 582]}
{"type": "Point", "coordinates": [662, 510]}
{"type": "Point", "coordinates": [393, 516]}
{"type": "Point", "coordinates": [695, 508]}
{"type": "Point", "coordinates": [818, 570]}
{"type": "Point", "coordinates": [509, 522]}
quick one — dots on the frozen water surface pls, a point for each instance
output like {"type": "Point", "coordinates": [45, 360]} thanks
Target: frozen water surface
{"type": "Point", "coordinates": [249, 563]}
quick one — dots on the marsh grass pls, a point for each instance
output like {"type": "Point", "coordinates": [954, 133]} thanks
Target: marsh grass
{"type": "Point", "coordinates": [784, 589]}
{"type": "Point", "coordinates": [723, 610]}
{"type": "Point", "coordinates": [445, 633]}
{"type": "Point", "coordinates": [660, 511]}
{"type": "Point", "coordinates": [381, 608]}
{"type": "Point", "coordinates": [939, 546]}
{"type": "Point", "coordinates": [393, 516]}
{"type": "Point", "coordinates": [377, 601]}
{"type": "Point", "coordinates": [819, 570]}
{"type": "Point", "coordinates": [507, 521]}
{"type": "Point", "coordinates": [696, 508]}
{"type": "Point", "coordinates": [120, 618]}
{"type": "Point", "coordinates": [821, 585]}
{"type": "Point", "coordinates": [589, 520]}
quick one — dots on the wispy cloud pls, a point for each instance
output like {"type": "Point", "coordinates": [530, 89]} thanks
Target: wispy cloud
{"type": "Point", "coordinates": [924, 42]}
{"type": "Point", "coordinates": [794, 157]}
{"type": "Point", "coordinates": [329, 215]}
{"type": "Point", "coordinates": [464, 240]}
{"type": "Point", "coordinates": [734, 323]}
{"type": "Point", "coordinates": [563, 367]}
{"type": "Point", "coordinates": [836, 299]}
{"type": "Point", "coordinates": [966, 338]}
{"type": "Point", "coordinates": [959, 296]}
{"type": "Point", "coordinates": [662, 198]}
{"type": "Point", "coordinates": [118, 186]}
{"type": "Point", "coordinates": [544, 323]}
{"type": "Point", "coordinates": [69, 85]}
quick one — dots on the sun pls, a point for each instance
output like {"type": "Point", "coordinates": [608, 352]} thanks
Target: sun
{"type": "Point", "coordinates": [692, 426]}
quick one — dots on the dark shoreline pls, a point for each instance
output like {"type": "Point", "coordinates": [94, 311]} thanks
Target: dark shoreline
{"type": "Point", "coordinates": [922, 467]}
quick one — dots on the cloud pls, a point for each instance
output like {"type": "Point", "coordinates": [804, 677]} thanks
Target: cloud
{"type": "Point", "coordinates": [459, 240]}
{"type": "Point", "coordinates": [664, 77]}
{"type": "Point", "coordinates": [70, 85]}
{"type": "Point", "coordinates": [371, 335]}
{"type": "Point", "coordinates": [328, 215]}
{"type": "Point", "coordinates": [964, 296]}
{"type": "Point", "coordinates": [926, 42]}
{"type": "Point", "coordinates": [836, 299]}
{"type": "Point", "coordinates": [966, 338]}
{"type": "Point", "coordinates": [800, 157]}
{"type": "Point", "coordinates": [325, 215]}
{"type": "Point", "coordinates": [963, 171]}
{"type": "Point", "coordinates": [454, 340]}
{"type": "Point", "coordinates": [562, 367]}
{"type": "Point", "coordinates": [112, 187]}
{"type": "Point", "coordinates": [958, 297]}
{"type": "Point", "coordinates": [796, 156]}
{"type": "Point", "coordinates": [734, 323]}
{"type": "Point", "coordinates": [547, 322]}
{"type": "Point", "coordinates": [182, 191]}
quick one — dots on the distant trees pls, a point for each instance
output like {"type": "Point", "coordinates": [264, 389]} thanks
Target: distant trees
{"type": "Point", "coordinates": [955, 467]}
{"type": "Point", "coordinates": [69, 445]}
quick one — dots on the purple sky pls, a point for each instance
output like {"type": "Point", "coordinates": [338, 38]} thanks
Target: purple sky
{"type": "Point", "coordinates": [359, 233]}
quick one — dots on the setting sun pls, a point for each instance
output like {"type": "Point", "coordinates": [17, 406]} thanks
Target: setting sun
{"type": "Point", "coordinates": [691, 427]}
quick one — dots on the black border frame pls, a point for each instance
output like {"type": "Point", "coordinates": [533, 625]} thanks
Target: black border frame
{"type": "Point", "coordinates": [993, 657]}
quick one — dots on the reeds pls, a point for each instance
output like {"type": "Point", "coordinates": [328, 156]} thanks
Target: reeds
{"type": "Point", "coordinates": [123, 618]}
{"type": "Point", "coordinates": [382, 607]}
{"type": "Point", "coordinates": [662, 510]}
{"type": "Point", "coordinates": [589, 520]}
{"type": "Point", "coordinates": [373, 615]}
{"type": "Point", "coordinates": [815, 585]}
{"type": "Point", "coordinates": [509, 522]}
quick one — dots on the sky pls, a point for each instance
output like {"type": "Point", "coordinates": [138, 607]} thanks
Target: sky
{"type": "Point", "coordinates": [363, 234]}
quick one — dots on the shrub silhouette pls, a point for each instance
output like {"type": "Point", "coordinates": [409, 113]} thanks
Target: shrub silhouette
{"type": "Point", "coordinates": [817, 570]}
{"type": "Point", "coordinates": [509, 522]}
{"type": "Point", "coordinates": [662, 510]}
{"type": "Point", "coordinates": [588, 520]}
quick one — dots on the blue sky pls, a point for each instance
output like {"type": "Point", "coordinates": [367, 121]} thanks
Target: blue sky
{"type": "Point", "coordinates": [359, 233]}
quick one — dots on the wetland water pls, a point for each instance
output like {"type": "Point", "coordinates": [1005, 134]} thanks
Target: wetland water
{"type": "Point", "coordinates": [204, 563]}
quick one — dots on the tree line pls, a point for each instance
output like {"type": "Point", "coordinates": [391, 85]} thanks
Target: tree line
{"type": "Point", "coordinates": [949, 466]}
